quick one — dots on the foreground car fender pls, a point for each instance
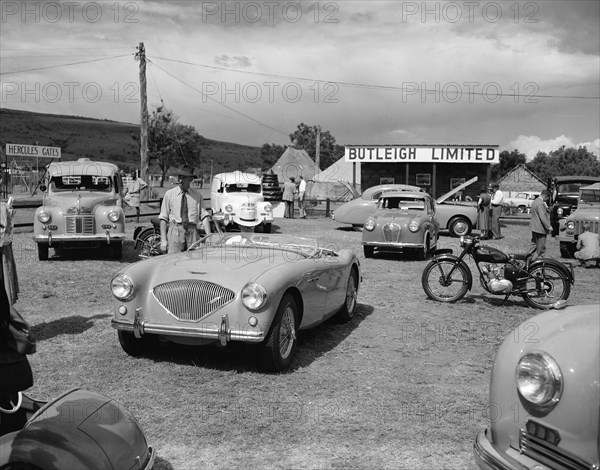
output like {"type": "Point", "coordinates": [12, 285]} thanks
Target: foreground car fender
{"type": "Point", "coordinates": [562, 431]}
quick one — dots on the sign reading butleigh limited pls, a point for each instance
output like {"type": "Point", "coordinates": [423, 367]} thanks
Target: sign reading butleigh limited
{"type": "Point", "coordinates": [24, 150]}
{"type": "Point", "coordinates": [422, 153]}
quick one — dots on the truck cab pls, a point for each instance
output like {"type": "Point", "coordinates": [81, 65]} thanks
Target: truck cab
{"type": "Point", "coordinates": [586, 215]}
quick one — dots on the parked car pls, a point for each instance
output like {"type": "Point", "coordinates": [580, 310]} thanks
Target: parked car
{"type": "Point", "coordinates": [544, 402]}
{"type": "Point", "coordinates": [239, 197]}
{"type": "Point", "coordinates": [521, 202]}
{"type": "Point", "coordinates": [457, 217]}
{"type": "Point", "coordinates": [402, 220]}
{"type": "Point", "coordinates": [82, 208]}
{"type": "Point", "coordinates": [564, 191]}
{"type": "Point", "coordinates": [242, 287]}
{"type": "Point", "coordinates": [587, 214]}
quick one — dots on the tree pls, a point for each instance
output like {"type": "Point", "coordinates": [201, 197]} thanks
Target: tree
{"type": "Point", "coordinates": [565, 161]}
{"type": "Point", "coordinates": [270, 153]}
{"type": "Point", "coordinates": [171, 143]}
{"type": "Point", "coordinates": [508, 161]}
{"type": "Point", "coordinates": [305, 137]}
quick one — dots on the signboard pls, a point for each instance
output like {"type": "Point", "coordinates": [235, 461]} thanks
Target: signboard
{"type": "Point", "coordinates": [422, 153]}
{"type": "Point", "coordinates": [24, 150]}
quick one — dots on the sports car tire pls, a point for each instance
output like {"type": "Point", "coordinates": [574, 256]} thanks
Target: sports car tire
{"type": "Point", "coordinates": [132, 345]}
{"type": "Point", "coordinates": [459, 226]}
{"type": "Point", "coordinates": [346, 313]}
{"type": "Point", "coordinates": [42, 250]}
{"type": "Point", "coordinates": [279, 348]}
{"type": "Point", "coordinates": [368, 251]}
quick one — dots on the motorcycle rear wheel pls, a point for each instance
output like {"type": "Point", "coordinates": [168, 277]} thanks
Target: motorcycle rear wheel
{"type": "Point", "coordinates": [545, 286]}
{"type": "Point", "coordinates": [441, 287]}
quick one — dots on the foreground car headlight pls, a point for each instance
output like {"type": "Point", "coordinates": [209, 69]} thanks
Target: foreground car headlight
{"type": "Point", "coordinates": [370, 225]}
{"type": "Point", "coordinates": [570, 225]}
{"type": "Point", "coordinates": [413, 226]}
{"type": "Point", "coordinates": [113, 216]}
{"type": "Point", "coordinates": [122, 287]}
{"type": "Point", "coordinates": [228, 208]}
{"type": "Point", "coordinates": [539, 379]}
{"type": "Point", "coordinates": [268, 208]}
{"type": "Point", "coordinates": [44, 217]}
{"type": "Point", "coordinates": [254, 296]}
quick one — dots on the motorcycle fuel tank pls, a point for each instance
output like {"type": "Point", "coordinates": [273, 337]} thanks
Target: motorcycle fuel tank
{"type": "Point", "coordinates": [489, 254]}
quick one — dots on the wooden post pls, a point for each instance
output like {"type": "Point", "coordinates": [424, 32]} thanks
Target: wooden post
{"type": "Point", "coordinates": [141, 56]}
{"type": "Point", "coordinates": [318, 150]}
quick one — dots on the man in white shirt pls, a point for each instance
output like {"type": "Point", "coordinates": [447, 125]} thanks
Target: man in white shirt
{"type": "Point", "coordinates": [496, 209]}
{"type": "Point", "coordinates": [301, 191]}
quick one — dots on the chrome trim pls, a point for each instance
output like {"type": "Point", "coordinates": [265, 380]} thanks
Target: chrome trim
{"type": "Point", "coordinates": [391, 232]}
{"type": "Point", "coordinates": [151, 458]}
{"type": "Point", "coordinates": [549, 454]}
{"type": "Point", "coordinates": [486, 455]}
{"type": "Point", "coordinates": [198, 331]}
{"type": "Point", "coordinates": [395, 244]}
{"type": "Point", "coordinates": [79, 238]}
{"type": "Point", "coordinates": [224, 331]}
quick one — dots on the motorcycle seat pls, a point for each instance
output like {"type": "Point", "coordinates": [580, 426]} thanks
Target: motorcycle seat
{"type": "Point", "coordinates": [520, 256]}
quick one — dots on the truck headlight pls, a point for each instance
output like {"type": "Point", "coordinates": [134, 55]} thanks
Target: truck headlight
{"type": "Point", "coordinates": [268, 207]}
{"type": "Point", "coordinates": [559, 211]}
{"type": "Point", "coordinates": [413, 226]}
{"type": "Point", "coordinates": [370, 225]}
{"type": "Point", "coordinates": [539, 379]}
{"type": "Point", "coordinates": [570, 225]}
{"type": "Point", "coordinates": [228, 208]}
{"type": "Point", "coordinates": [113, 216]}
{"type": "Point", "coordinates": [44, 217]}
{"type": "Point", "coordinates": [254, 296]}
{"type": "Point", "coordinates": [122, 287]}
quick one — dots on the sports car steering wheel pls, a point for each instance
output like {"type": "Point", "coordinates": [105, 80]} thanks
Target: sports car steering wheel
{"type": "Point", "coordinates": [16, 407]}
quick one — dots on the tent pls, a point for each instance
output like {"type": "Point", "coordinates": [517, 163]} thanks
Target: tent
{"type": "Point", "coordinates": [335, 182]}
{"type": "Point", "coordinates": [294, 163]}
{"type": "Point", "coordinates": [340, 170]}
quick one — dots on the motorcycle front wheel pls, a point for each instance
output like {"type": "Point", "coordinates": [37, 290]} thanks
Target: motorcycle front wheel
{"type": "Point", "coordinates": [545, 286]}
{"type": "Point", "coordinates": [150, 246]}
{"type": "Point", "coordinates": [440, 286]}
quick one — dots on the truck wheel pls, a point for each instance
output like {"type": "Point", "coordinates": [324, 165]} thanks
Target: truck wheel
{"type": "Point", "coordinates": [42, 250]}
{"type": "Point", "coordinates": [567, 249]}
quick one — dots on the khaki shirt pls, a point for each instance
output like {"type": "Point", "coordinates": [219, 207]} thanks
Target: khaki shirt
{"type": "Point", "coordinates": [170, 209]}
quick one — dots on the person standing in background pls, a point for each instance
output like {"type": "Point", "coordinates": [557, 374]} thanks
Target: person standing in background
{"type": "Point", "coordinates": [539, 225]}
{"type": "Point", "coordinates": [483, 208]}
{"type": "Point", "coordinates": [496, 203]}
{"type": "Point", "coordinates": [10, 282]}
{"type": "Point", "coordinates": [288, 197]}
{"type": "Point", "coordinates": [132, 193]}
{"type": "Point", "coordinates": [301, 194]}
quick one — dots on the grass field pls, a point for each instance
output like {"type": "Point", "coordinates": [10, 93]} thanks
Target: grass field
{"type": "Point", "coordinates": [402, 386]}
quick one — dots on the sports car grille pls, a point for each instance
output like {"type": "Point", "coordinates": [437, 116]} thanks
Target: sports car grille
{"type": "Point", "coordinates": [191, 300]}
{"type": "Point", "coordinates": [548, 454]}
{"type": "Point", "coordinates": [391, 232]}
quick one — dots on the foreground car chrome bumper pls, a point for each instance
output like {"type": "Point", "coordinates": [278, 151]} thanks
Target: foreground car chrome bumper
{"type": "Point", "coordinates": [487, 457]}
{"type": "Point", "coordinates": [394, 244]}
{"type": "Point", "coordinates": [108, 237]}
{"type": "Point", "coordinates": [222, 332]}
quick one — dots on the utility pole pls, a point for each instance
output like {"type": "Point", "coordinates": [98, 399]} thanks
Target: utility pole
{"type": "Point", "coordinates": [318, 150]}
{"type": "Point", "coordinates": [141, 56]}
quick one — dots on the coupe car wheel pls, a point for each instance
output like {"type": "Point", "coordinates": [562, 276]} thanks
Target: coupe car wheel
{"type": "Point", "coordinates": [280, 346]}
{"type": "Point", "coordinates": [132, 345]}
{"type": "Point", "coordinates": [460, 226]}
{"type": "Point", "coordinates": [42, 251]}
{"type": "Point", "coordinates": [346, 313]}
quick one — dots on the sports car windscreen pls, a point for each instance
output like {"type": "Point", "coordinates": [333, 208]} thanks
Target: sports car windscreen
{"type": "Point", "coordinates": [303, 246]}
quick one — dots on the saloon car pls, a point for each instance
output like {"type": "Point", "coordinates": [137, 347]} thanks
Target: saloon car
{"type": "Point", "coordinates": [564, 191]}
{"type": "Point", "coordinates": [457, 217]}
{"type": "Point", "coordinates": [82, 208]}
{"type": "Point", "coordinates": [587, 215]}
{"type": "Point", "coordinates": [404, 221]}
{"type": "Point", "coordinates": [243, 287]}
{"type": "Point", "coordinates": [521, 201]}
{"type": "Point", "coordinates": [544, 400]}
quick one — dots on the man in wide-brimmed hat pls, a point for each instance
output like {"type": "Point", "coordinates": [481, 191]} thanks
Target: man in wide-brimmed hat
{"type": "Point", "coordinates": [181, 214]}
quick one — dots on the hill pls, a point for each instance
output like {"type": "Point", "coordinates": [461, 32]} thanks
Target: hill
{"type": "Point", "coordinates": [109, 140]}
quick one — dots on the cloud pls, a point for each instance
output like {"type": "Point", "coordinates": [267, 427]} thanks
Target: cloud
{"type": "Point", "coordinates": [237, 61]}
{"type": "Point", "coordinates": [531, 145]}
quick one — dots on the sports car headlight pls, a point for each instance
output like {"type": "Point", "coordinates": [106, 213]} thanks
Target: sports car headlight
{"type": "Point", "coordinates": [44, 217]}
{"type": "Point", "coordinates": [122, 287]}
{"type": "Point", "coordinates": [113, 216]}
{"type": "Point", "coordinates": [539, 379]}
{"type": "Point", "coordinates": [413, 226]}
{"type": "Point", "coordinates": [559, 211]}
{"type": "Point", "coordinates": [254, 296]}
{"type": "Point", "coordinates": [370, 225]}
{"type": "Point", "coordinates": [228, 208]}
{"type": "Point", "coordinates": [570, 225]}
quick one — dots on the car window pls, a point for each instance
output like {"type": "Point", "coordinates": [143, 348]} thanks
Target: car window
{"type": "Point", "coordinates": [243, 188]}
{"type": "Point", "coordinates": [401, 203]}
{"type": "Point", "coordinates": [81, 183]}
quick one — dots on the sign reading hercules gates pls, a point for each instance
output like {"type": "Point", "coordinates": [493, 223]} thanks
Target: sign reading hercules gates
{"type": "Point", "coordinates": [23, 150]}
{"type": "Point", "coordinates": [422, 153]}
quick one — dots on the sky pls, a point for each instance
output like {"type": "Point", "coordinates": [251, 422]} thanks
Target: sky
{"type": "Point", "coordinates": [523, 75]}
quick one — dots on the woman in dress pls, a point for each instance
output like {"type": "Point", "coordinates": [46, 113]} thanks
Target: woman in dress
{"type": "Point", "coordinates": [483, 208]}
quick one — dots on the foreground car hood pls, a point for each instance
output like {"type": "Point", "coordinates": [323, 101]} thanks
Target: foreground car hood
{"type": "Point", "coordinates": [86, 199]}
{"type": "Point", "coordinates": [396, 214]}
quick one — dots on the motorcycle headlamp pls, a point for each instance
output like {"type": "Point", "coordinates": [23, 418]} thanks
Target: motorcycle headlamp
{"type": "Point", "coordinates": [465, 240]}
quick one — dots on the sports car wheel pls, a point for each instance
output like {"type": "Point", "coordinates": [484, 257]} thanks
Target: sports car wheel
{"type": "Point", "coordinates": [132, 345]}
{"type": "Point", "coordinates": [279, 348]}
{"type": "Point", "coordinates": [368, 251]}
{"type": "Point", "coordinates": [346, 313]}
{"type": "Point", "coordinates": [459, 226]}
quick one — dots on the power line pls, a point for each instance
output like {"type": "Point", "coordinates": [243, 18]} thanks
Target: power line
{"type": "Point", "coordinates": [66, 65]}
{"type": "Point", "coordinates": [372, 86]}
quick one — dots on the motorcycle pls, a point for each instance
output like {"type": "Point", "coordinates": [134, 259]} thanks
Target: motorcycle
{"type": "Point", "coordinates": [544, 283]}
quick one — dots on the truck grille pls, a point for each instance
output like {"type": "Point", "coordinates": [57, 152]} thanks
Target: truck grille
{"type": "Point", "coordinates": [579, 224]}
{"type": "Point", "coordinates": [191, 300]}
{"type": "Point", "coordinates": [391, 232]}
{"type": "Point", "coordinates": [83, 224]}
{"type": "Point", "coordinates": [548, 454]}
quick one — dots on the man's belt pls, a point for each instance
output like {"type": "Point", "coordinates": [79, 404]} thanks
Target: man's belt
{"type": "Point", "coordinates": [186, 226]}
{"type": "Point", "coordinates": [496, 205]}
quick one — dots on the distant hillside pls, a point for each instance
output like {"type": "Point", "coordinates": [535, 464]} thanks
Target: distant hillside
{"type": "Point", "coordinates": [109, 140]}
